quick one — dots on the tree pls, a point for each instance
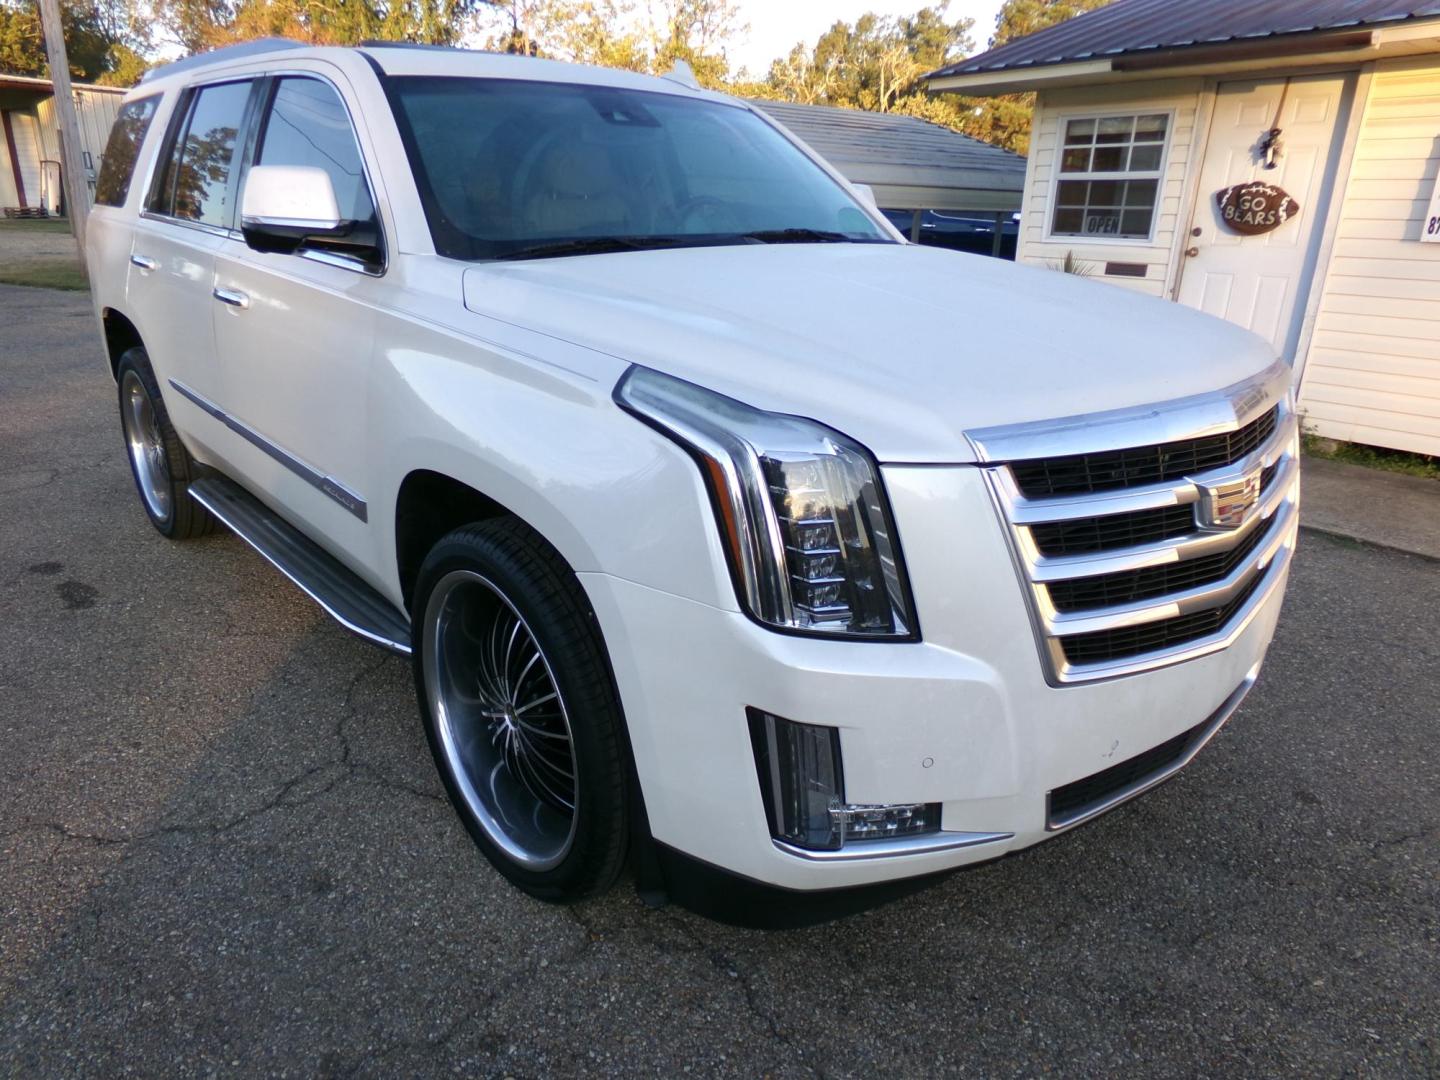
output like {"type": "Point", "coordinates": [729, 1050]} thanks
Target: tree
{"type": "Point", "coordinates": [1005, 120]}
{"type": "Point", "coordinates": [616, 33]}
{"type": "Point", "coordinates": [204, 24]}
{"type": "Point", "coordinates": [105, 40]}
{"type": "Point", "coordinates": [876, 64]}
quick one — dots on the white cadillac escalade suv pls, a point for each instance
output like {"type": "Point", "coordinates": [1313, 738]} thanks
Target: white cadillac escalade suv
{"type": "Point", "coordinates": [724, 527]}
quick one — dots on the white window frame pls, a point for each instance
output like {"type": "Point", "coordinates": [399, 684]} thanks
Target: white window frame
{"type": "Point", "coordinates": [1062, 121]}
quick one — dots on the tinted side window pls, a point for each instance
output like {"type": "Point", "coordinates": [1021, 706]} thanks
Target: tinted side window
{"type": "Point", "coordinates": [123, 149]}
{"type": "Point", "coordinates": [308, 125]}
{"type": "Point", "coordinates": [196, 185]}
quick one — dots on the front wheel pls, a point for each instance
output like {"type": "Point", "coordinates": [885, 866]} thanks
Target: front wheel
{"type": "Point", "coordinates": [520, 710]}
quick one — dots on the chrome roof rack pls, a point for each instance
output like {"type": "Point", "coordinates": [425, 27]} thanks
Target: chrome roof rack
{"type": "Point", "coordinates": [230, 52]}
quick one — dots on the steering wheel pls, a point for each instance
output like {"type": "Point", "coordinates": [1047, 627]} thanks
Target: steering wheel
{"type": "Point", "coordinates": [715, 215]}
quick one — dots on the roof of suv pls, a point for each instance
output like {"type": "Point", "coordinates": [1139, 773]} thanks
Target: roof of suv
{"type": "Point", "coordinates": [400, 58]}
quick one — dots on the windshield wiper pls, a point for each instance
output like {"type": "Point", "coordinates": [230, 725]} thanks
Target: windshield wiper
{"type": "Point", "coordinates": [797, 236]}
{"type": "Point", "coordinates": [593, 245]}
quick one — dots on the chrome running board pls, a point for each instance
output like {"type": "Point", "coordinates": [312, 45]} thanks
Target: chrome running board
{"type": "Point", "coordinates": [344, 597]}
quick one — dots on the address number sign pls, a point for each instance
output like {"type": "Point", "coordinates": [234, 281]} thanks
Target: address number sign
{"type": "Point", "coordinates": [1430, 225]}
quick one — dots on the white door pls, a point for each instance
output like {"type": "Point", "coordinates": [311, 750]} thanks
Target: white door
{"type": "Point", "coordinates": [1261, 282]}
{"type": "Point", "coordinates": [26, 130]}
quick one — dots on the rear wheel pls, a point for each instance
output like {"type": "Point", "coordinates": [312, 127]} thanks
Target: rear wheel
{"type": "Point", "coordinates": [159, 462]}
{"type": "Point", "coordinates": [519, 709]}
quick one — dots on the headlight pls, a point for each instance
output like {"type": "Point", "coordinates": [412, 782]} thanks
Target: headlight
{"type": "Point", "coordinates": [800, 507]}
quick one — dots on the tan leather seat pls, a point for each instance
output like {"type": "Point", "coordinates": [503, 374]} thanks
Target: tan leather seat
{"type": "Point", "coordinates": [576, 193]}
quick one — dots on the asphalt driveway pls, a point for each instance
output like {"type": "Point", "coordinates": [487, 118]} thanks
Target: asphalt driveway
{"type": "Point", "coordinates": [223, 848]}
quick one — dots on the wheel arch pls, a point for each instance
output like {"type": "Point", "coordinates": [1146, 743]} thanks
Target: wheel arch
{"type": "Point", "coordinates": [428, 505]}
{"type": "Point", "coordinates": [120, 335]}
{"type": "Point", "coordinates": [431, 503]}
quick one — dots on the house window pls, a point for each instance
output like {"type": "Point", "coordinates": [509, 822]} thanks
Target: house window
{"type": "Point", "coordinates": [1110, 176]}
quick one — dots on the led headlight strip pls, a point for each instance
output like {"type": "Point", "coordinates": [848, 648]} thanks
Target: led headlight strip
{"type": "Point", "coordinates": [801, 510]}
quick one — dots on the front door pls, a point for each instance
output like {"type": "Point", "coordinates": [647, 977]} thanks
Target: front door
{"type": "Point", "coordinates": [295, 333]}
{"type": "Point", "coordinates": [1262, 282]}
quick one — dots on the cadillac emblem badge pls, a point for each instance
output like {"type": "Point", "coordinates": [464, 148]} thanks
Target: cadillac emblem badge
{"type": "Point", "coordinates": [1228, 505]}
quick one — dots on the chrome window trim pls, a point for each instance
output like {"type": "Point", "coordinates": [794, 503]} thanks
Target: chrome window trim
{"type": "Point", "coordinates": [322, 482]}
{"type": "Point", "coordinates": [342, 262]}
{"type": "Point", "coordinates": [1186, 418]}
{"type": "Point", "coordinates": [184, 223]}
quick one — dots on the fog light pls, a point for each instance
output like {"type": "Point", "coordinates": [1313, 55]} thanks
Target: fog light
{"type": "Point", "coordinates": [803, 785]}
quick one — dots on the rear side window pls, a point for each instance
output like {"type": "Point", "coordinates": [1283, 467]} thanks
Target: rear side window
{"type": "Point", "coordinates": [196, 182]}
{"type": "Point", "coordinates": [308, 125]}
{"type": "Point", "coordinates": [123, 150]}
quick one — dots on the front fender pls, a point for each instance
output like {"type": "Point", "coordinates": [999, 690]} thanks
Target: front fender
{"type": "Point", "coordinates": [548, 443]}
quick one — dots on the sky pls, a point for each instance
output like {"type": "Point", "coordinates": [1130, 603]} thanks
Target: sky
{"type": "Point", "coordinates": [776, 25]}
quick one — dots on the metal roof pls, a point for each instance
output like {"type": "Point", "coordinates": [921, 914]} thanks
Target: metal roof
{"type": "Point", "coordinates": [881, 148]}
{"type": "Point", "coordinates": [45, 86]}
{"type": "Point", "coordinates": [1129, 26]}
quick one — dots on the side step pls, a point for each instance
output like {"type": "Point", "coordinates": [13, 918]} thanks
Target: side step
{"type": "Point", "coordinates": [347, 599]}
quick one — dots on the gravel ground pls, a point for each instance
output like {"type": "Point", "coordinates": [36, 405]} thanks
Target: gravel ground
{"type": "Point", "coordinates": [223, 849]}
{"type": "Point", "coordinates": [24, 242]}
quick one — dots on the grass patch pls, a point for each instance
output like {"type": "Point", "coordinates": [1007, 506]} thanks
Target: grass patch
{"type": "Point", "coordinates": [45, 274]}
{"type": "Point", "coordinates": [35, 225]}
{"type": "Point", "coordinates": [1372, 457]}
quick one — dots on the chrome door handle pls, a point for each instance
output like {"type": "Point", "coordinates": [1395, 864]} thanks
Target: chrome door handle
{"type": "Point", "coordinates": [232, 297]}
{"type": "Point", "coordinates": [144, 262]}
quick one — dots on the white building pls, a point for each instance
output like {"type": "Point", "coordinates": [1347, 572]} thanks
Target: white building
{"type": "Point", "coordinates": [30, 138]}
{"type": "Point", "coordinates": [1149, 110]}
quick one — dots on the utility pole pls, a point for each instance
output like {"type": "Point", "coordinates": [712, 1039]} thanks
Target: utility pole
{"type": "Point", "coordinates": [72, 162]}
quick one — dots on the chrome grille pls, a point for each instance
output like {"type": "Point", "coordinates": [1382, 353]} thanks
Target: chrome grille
{"type": "Point", "coordinates": [1122, 567]}
{"type": "Point", "coordinates": [1077, 474]}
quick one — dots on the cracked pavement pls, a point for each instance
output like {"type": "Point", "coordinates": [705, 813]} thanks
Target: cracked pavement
{"type": "Point", "coordinates": [223, 848]}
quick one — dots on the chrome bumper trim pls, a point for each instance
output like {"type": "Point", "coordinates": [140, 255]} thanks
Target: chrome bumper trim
{"type": "Point", "coordinates": [889, 849]}
{"type": "Point", "coordinates": [1139, 787]}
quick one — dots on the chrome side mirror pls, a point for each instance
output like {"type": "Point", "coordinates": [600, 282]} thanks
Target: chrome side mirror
{"type": "Point", "coordinates": [284, 206]}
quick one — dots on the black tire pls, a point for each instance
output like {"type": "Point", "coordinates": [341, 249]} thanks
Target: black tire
{"type": "Point", "coordinates": [506, 558]}
{"type": "Point", "coordinates": [165, 497]}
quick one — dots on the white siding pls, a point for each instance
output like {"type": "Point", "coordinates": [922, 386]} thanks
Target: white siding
{"type": "Point", "coordinates": [1179, 97]}
{"type": "Point", "coordinates": [95, 111]}
{"type": "Point", "coordinates": [1373, 369]}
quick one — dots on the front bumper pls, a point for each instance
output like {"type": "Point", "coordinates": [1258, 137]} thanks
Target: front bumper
{"type": "Point", "coordinates": [964, 718]}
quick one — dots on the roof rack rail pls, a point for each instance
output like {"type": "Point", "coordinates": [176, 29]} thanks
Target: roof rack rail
{"type": "Point", "coordinates": [228, 52]}
{"type": "Point", "coordinates": [382, 43]}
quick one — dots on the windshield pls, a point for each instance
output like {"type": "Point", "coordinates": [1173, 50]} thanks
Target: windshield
{"type": "Point", "coordinates": [520, 169]}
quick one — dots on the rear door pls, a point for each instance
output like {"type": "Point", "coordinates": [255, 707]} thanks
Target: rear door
{"type": "Point", "coordinates": [295, 333]}
{"type": "Point", "coordinates": [186, 215]}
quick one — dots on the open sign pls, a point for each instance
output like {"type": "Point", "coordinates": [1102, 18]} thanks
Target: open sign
{"type": "Point", "coordinates": [1255, 208]}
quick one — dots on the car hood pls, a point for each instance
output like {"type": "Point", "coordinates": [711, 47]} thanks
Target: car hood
{"type": "Point", "coordinates": [901, 347]}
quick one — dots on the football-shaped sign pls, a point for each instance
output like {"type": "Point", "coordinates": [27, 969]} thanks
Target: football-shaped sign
{"type": "Point", "coordinates": [1255, 208]}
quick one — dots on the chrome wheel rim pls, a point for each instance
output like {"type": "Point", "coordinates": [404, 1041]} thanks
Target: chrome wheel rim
{"type": "Point", "coordinates": [502, 722]}
{"type": "Point", "coordinates": [146, 447]}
